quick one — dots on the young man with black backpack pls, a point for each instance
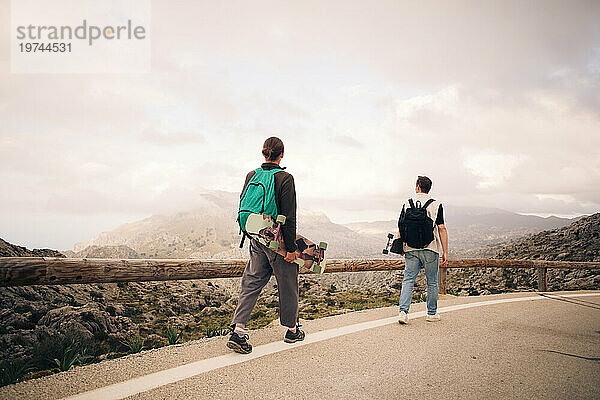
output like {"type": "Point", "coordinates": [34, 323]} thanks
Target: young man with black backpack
{"type": "Point", "coordinates": [424, 237]}
{"type": "Point", "coordinates": [269, 190]}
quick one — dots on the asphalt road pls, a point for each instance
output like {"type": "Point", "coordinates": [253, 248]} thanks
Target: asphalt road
{"type": "Point", "coordinates": [544, 348]}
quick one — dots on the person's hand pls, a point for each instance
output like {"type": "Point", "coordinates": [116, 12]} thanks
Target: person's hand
{"type": "Point", "coordinates": [291, 256]}
{"type": "Point", "coordinates": [444, 260]}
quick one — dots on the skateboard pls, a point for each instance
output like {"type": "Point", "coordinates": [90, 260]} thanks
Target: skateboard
{"type": "Point", "coordinates": [267, 230]}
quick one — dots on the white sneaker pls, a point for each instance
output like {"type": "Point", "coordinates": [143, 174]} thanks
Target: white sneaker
{"type": "Point", "coordinates": [433, 318]}
{"type": "Point", "coordinates": [403, 318]}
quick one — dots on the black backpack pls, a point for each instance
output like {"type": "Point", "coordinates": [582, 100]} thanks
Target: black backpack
{"type": "Point", "coordinates": [416, 227]}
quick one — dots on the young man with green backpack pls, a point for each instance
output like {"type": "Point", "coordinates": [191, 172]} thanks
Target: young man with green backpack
{"type": "Point", "coordinates": [268, 190]}
{"type": "Point", "coordinates": [424, 239]}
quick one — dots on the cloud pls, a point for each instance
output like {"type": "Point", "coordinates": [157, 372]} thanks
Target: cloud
{"type": "Point", "coordinates": [492, 168]}
{"type": "Point", "coordinates": [167, 138]}
{"type": "Point", "coordinates": [492, 101]}
{"type": "Point", "coordinates": [347, 141]}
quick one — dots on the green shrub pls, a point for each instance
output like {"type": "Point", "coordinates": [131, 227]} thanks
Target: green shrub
{"type": "Point", "coordinates": [13, 372]}
{"type": "Point", "coordinates": [212, 331]}
{"type": "Point", "coordinates": [134, 343]}
{"type": "Point", "coordinates": [61, 351]}
{"type": "Point", "coordinates": [73, 354]}
{"type": "Point", "coordinates": [173, 334]}
{"type": "Point", "coordinates": [85, 356]}
{"type": "Point", "coordinates": [69, 357]}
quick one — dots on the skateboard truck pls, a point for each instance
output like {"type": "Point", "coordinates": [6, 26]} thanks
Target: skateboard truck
{"type": "Point", "coordinates": [317, 259]}
{"type": "Point", "coordinates": [389, 243]}
{"type": "Point", "coordinates": [279, 222]}
{"type": "Point", "coordinates": [271, 234]}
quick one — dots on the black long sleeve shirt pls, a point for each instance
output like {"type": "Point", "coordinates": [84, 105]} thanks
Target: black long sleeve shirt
{"type": "Point", "coordinates": [285, 199]}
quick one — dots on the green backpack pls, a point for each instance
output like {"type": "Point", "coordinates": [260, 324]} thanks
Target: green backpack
{"type": "Point", "coordinates": [258, 196]}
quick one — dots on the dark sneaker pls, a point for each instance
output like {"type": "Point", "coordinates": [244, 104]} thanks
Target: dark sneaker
{"type": "Point", "coordinates": [239, 343]}
{"type": "Point", "coordinates": [292, 337]}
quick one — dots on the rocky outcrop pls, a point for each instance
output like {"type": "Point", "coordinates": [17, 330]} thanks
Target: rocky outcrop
{"type": "Point", "coordinates": [11, 250]}
{"type": "Point", "coordinates": [580, 241]}
{"type": "Point", "coordinates": [103, 314]}
{"type": "Point", "coordinates": [87, 320]}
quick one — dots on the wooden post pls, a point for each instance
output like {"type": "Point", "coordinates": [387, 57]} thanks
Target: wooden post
{"type": "Point", "coordinates": [443, 273]}
{"type": "Point", "coordinates": [542, 273]}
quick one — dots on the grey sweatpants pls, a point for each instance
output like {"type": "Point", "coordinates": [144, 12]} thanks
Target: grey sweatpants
{"type": "Point", "coordinates": [263, 263]}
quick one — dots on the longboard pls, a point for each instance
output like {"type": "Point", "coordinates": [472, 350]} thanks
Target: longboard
{"type": "Point", "coordinates": [267, 230]}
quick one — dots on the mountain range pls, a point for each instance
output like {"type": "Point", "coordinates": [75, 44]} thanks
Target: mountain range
{"type": "Point", "coordinates": [210, 231]}
{"type": "Point", "coordinates": [472, 231]}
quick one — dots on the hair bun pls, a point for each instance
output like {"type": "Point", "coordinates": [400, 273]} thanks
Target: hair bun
{"type": "Point", "coordinates": [272, 149]}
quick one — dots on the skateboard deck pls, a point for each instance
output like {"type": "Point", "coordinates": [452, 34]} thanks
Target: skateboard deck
{"type": "Point", "coordinates": [267, 230]}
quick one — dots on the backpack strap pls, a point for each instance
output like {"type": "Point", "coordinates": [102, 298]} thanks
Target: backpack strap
{"type": "Point", "coordinates": [428, 203]}
{"type": "Point", "coordinates": [412, 203]}
{"type": "Point", "coordinates": [244, 236]}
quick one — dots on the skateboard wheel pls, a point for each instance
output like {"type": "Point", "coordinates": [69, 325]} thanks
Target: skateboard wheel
{"type": "Point", "coordinates": [390, 236]}
{"type": "Point", "coordinates": [281, 219]}
{"type": "Point", "coordinates": [323, 245]}
{"type": "Point", "coordinates": [317, 268]}
{"type": "Point", "coordinates": [385, 252]}
{"type": "Point", "coordinates": [274, 246]}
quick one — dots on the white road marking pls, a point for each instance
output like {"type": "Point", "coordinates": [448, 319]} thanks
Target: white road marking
{"type": "Point", "coordinates": [144, 383]}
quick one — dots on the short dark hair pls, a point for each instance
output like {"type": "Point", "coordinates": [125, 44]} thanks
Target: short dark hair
{"type": "Point", "coordinates": [424, 183]}
{"type": "Point", "coordinates": [272, 148]}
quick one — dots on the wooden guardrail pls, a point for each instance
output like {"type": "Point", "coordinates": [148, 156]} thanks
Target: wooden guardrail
{"type": "Point", "coordinates": [23, 271]}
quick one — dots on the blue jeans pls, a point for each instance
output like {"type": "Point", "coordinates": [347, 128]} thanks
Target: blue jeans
{"type": "Point", "coordinates": [414, 261]}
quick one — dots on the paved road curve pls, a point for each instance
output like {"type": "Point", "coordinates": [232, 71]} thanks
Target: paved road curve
{"type": "Point", "coordinates": [511, 346]}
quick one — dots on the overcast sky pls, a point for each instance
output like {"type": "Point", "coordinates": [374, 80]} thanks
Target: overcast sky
{"type": "Point", "coordinates": [498, 102]}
